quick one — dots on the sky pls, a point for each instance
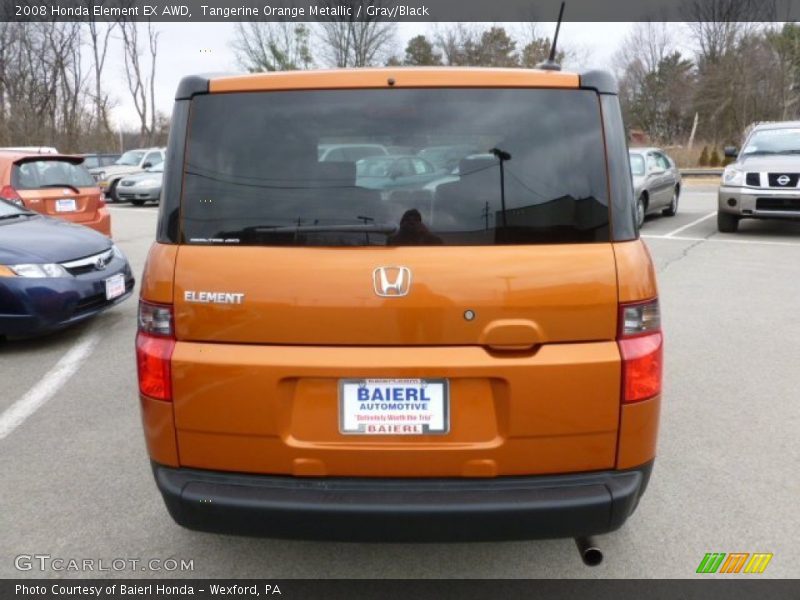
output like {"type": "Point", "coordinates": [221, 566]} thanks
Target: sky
{"type": "Point", "coordinates": [188, 48]}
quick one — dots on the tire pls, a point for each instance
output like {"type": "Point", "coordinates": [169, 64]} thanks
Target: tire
{"type": "Point", "coordinates": [112, 192]}
{"type": "Point", "coordinates": [137, 202]}
{"type": "Point", "coordinates": [672, 209]}
{"type": "Point", "coordinates": [727, 223]}
{"type": "Point", "coordinates": [641, 210]}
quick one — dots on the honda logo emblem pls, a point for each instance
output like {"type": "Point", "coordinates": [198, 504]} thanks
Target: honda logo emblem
{"type": "Point", "coordinates": [391, 282]}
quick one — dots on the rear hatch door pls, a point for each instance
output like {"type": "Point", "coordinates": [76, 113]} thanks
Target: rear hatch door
{"type": "Point", "coordinates": [498, 278]}
{"type": "Point", "coordinates": [57, 187]}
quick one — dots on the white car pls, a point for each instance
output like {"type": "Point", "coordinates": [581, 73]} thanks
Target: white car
{"type": "Point", "coordinates": [32, 149]}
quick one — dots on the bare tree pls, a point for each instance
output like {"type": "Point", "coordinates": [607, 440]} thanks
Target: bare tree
{"type": "Point", "coordinates": [643, 49]}
{"type": "Point", "coordinates": [717, 26]}
{"type": "Point", "coordinates": [785, 42]}
{"type": "Point", "coordinates": [43, 86]}
{"type": "Point", "coordinates": [141, 76]}
{"type": "Point", "coordinates": [656, 82]}
{"type": "Point", "coordinates": [99, 38]}
{"type": "Point", "coordinates": [358, 41]}
{"type": "Point", "coordinates": [66, 50]}
{"type": "Point", "coordinates": [456, 41]}
{"type": "Point", "coordinates": [335, 37]}
{"type": "Point", "coordinates": [152, 38]}
{"type": "Point", "coordinates": [735, 67]}
{"type": "Point", "coordinates": [272, 46]}
{"type": "Point", "coordinates": [7, 35]}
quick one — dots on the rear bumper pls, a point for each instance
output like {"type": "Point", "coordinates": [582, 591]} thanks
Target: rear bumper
{"type": "Point", "coordinates": [366, 509]}
{"type": "Point", "coordinates": [126, 194]}
{"type": "Point", "coordinates": [101, 222]}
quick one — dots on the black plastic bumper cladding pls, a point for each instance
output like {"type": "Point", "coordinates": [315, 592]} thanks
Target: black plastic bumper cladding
{"type": "Point", "coordinates": [405, 510]}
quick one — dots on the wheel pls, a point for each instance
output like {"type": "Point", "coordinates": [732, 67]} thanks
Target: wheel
{"type": "Point", "coordinates": [641, 209]}
{"type": "Point", "coordinates": [112, 192]}
{"type": "Point", "coordinates": [672, 209]}
{"type": "Point", "coordinates": [727, 223]}
{"type": "Point", "coordinates": [137, 202]}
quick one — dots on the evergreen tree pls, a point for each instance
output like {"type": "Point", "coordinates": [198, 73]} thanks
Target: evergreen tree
{"type": "Point", "coordinates": [703, 160]}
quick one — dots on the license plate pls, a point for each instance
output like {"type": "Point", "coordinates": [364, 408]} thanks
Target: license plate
{"type": "Point", "coordinates": [66, 205]}
{"type": "Point", "coordinates": [394, 406]}
{"type": "Point", "coordinates": [115, 286]}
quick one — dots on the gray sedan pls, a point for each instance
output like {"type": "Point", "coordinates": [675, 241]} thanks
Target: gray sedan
{"type": "Point", "coordinates": [656, 182]}
{"type": "Point", "coordinates": [141, 187]}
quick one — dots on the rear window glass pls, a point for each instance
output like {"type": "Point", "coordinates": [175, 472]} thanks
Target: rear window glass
{"type": "Point", "coordinates": [395, 167]}
{"type": "Point", "coordinates": [637, 164]}
{"type": "Point", "coordinates": [36, 174]}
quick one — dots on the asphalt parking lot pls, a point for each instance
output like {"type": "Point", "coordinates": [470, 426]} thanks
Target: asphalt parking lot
{"type": "Point", "coordinates": [76, 481]}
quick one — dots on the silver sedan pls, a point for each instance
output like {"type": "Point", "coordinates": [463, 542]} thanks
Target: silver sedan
{"type": "Point", "coordinates": [141, 187]}
{"type": "Point", "coordinates": [656, 182]}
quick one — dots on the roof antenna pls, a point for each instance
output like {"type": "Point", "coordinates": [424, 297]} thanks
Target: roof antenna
{"type": "Point", "coordinates": [550, 64]}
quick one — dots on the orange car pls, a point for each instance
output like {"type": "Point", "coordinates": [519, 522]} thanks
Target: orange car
{"type": "Point", "coordinates": [54, 185]}
{"type": "Point", "coordinates": [472, 356]}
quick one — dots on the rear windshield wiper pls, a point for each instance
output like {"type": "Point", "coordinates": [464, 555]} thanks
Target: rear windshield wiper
{"type": "Point", "coordinates": [55, 185]}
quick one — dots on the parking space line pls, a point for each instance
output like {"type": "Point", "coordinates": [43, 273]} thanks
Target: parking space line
{"type": "Point", "coordinates": [47, 387]}
{"type": "Point", "coordinates": [718, 241]}
{"type": "Point", "coordinates": [688, 225]}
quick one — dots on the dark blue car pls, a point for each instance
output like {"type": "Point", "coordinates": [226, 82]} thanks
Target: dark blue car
{"type": "Point", "coordinates": [54, 273]}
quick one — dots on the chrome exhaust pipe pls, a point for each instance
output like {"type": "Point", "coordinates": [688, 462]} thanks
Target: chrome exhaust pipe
{"type": "Point", "coordinates": [591, 555]}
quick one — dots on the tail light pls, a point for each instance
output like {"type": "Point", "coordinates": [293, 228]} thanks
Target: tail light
{"type": "Point", "coordinates": [155, 342]}
{"type": "Point", "coordinates": [101, 202]}
{"type": "Point", "coordinates": [641, 346]}
{"type": "Point", "coordinates": [10, 194]}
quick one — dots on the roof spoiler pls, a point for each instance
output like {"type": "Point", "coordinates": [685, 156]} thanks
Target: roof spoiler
{"type": "Point", "coordinates": [600, 81]}
{"type": "Point", "coordinates": [71, 158]}
{"type": "Point", "coordinates": [192, 85]}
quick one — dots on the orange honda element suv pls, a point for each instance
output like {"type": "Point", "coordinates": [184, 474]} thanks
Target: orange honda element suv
{"type": "Point", "coordinates": [54, 185]}
{"type": "Point", "coordinates": [386, 348]}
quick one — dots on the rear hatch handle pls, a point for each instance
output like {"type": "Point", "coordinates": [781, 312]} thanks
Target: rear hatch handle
{"type": "Point", "coordinates": [512, 335]}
